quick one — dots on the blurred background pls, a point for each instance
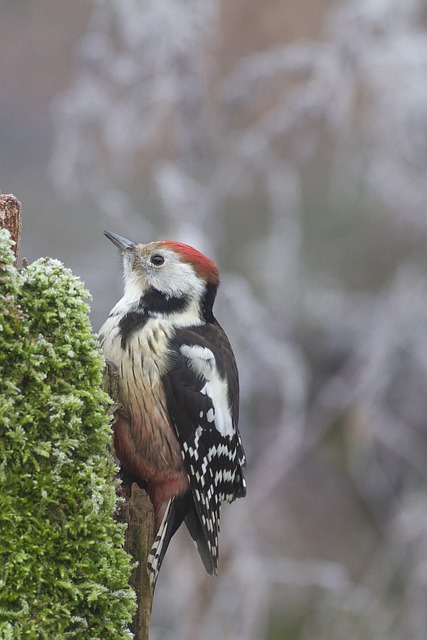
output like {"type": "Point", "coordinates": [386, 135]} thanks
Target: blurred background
{"type": "Point", "coordinates": [288, 141]}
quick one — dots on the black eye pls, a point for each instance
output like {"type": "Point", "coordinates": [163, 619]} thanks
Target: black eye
{"type": "Point", "coordinates": [157, 260]}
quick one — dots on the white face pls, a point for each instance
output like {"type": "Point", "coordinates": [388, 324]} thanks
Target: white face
{"type": "Point", "coordinates": [151, 265]}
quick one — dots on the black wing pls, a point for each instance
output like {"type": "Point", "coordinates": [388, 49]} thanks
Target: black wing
{"type": "Point", "coordinates": [202, 390]}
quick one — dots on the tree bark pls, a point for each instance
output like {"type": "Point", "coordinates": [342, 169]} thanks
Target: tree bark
{"type": "Point", "coordinates": [10, 218]}
{"type": "Point", "coordinates": [137, 512]}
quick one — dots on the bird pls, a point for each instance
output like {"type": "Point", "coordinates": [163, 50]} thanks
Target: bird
{"type": "Point", "coordinates": [176, 425]}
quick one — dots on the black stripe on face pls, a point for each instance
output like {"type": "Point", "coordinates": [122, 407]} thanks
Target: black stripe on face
{"type": "Point", "coordinates": [131, 322]}
{"type": "Point", "coordinates": [208, 301]}
{"type": "Point", "coordinates": [154, 301]}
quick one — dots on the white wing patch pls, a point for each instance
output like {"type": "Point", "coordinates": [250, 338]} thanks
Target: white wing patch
{"type": "Point", "coordinates": [202, 361]}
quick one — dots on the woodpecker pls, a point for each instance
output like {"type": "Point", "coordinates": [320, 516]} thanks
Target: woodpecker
{"type": "Point", "coordinates": [176, 425]}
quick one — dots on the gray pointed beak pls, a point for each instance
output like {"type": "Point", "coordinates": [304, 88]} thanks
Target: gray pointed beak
{"type": "Point", "coordinates": [119, 241]}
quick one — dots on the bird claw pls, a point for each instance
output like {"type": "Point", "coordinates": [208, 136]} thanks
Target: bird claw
{"type": "Point", "coordinates": [111, 387]}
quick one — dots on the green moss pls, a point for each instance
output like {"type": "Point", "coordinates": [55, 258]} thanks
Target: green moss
{"type": "Point", "coordinates": [63, 570]}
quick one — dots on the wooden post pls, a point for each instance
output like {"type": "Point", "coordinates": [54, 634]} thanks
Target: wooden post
{"type": "Point", "coordinates": [136, 511]}
{"type": "Point", "coordinates": [10, 218]}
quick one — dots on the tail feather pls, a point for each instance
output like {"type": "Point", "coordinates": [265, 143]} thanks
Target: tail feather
{"type": "Point", "coordinates": [175, 513]}
{"type": "Point", "coordinates": [195, 529]}
{"type": "Point", "coordinates": [160, 544]}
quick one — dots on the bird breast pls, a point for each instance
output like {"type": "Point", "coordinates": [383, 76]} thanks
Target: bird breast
{"type": "Point", "coordinates": [144, 439]}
